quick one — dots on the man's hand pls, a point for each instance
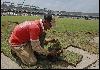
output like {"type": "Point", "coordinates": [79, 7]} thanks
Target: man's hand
{"type": "Point", "coordinates": [53, 40]}
{"type": "Point", "coordinates": [54, 53]}
{"type": "Point", "coordinates": [50, 40]}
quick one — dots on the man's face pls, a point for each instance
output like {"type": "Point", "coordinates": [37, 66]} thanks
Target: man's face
{"type": "Point", "coordinates": [48, 25]}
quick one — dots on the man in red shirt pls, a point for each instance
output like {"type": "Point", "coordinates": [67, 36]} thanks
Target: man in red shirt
{"type": "Point", "coordinates": [29, 37]}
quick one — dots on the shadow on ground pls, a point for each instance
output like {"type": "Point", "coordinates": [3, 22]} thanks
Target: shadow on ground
{"type": "Point", "coordinates": [44, 63]}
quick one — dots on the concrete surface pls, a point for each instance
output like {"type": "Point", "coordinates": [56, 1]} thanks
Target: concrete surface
{"type": "Point", "coordinates": [7, 63]}
{"type": "Point", "coordinates": [87, 60]}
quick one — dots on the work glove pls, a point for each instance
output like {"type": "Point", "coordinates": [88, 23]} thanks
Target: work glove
{"type": "Point", "coordinates": [53, 40]}
{"type": "Point", "coordinates": [54, 53]}
{"type": "Point", "coordinates": [51, 54]}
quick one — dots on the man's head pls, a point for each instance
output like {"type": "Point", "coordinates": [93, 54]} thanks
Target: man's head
{"type": "Point", "coordinates": [47, 22]}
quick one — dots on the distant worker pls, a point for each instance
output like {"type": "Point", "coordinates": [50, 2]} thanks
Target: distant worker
{"type": "Point", "coordinates": [29, 37]}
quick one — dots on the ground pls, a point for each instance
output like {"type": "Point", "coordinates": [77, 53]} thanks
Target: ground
{"type": "Point", "coordinates": [91, 61]}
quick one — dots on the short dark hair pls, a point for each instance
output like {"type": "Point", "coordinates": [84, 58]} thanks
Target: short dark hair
{"type": "Point", "coordinates": [48, 17]}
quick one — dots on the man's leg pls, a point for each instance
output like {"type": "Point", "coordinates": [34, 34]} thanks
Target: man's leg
{"type": "Point", "coordinates": [26, 54]}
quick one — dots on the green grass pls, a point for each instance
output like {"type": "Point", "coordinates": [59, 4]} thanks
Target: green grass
{"type": "Point", "coordinates": [18, 18]}
{"type": "Point", "coordinates": [73, 58]}
{"type": "Point", "coordinates": [62, 24]}
{"type": "Point", "coordinates": [68, 24]}
{"type": "Point", "coordinates": [67, 31]}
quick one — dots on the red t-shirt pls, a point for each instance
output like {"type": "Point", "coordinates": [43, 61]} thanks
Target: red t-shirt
{"type": "Point", "coordinates": [26, 31]}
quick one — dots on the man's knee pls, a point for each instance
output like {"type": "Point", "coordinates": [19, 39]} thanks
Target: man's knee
{"type": "Point", "coordinates": [29, 62]}
{"type": "Point", "coordinates": [33, 62]}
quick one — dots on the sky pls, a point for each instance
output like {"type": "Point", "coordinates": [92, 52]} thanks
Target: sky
{"type": "Point", "coordinates": [86, 6]}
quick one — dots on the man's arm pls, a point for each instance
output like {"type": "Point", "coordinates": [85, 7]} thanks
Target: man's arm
{"type": "Point", "coordinates": [36, 47]}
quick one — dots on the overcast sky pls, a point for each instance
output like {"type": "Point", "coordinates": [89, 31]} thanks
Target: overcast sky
{"type": "Point", "coordinates": [86, 6]}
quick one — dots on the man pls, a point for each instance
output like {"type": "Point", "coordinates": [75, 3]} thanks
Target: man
{"type": "Point", "coordinates": [29, 37]}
